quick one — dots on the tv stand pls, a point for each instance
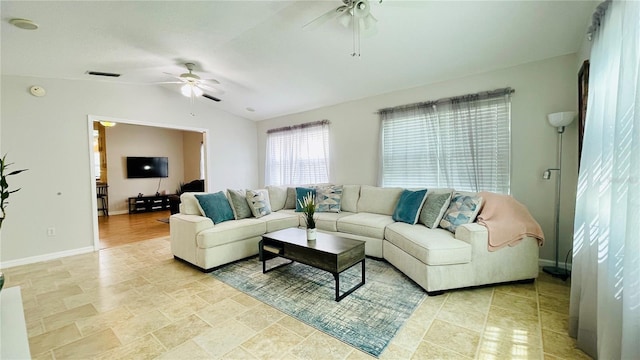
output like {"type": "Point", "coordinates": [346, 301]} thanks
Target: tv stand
{"type": "Point", "coordinates": [141, 204]}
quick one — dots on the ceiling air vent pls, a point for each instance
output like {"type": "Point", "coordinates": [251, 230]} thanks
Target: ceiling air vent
{"type": "Point", "coordinates": [211, 97]}
{"type": "Point", "coordinates": [100, 73]}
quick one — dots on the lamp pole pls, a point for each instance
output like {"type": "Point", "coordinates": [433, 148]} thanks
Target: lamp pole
{"type": "Point", "coordinates": [556, 271]}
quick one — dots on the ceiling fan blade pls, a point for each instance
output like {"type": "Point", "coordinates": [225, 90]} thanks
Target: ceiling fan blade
{"type": "Point", "coordinates": [174, 76]}
{"type": "Point", "coordinates": [210, 81]}
{"type": "Point", "coordinates": [315, 23]}
{"type": "Point", "coordinates": [210, 89]}
{"type": "Point", "coordinates": [169, 82]}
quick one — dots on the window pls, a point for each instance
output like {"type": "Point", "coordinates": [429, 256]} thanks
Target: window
{"type": "Point", "coordinates": [462, 143]}
{"type": "Point", "coordinates": [298, 154]}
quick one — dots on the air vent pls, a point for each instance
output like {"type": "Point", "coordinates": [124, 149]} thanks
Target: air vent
{"type": "Point", "coordinates": [211, 97]}
{"type": "Point", "coordinates": [100, 73]}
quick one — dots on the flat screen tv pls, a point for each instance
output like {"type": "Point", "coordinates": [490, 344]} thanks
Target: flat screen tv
{"type": "Point", "coordinates": [147, 167]}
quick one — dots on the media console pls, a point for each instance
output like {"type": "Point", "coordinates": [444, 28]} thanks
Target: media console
{"type": "Point", "coordinates": [140, 204]}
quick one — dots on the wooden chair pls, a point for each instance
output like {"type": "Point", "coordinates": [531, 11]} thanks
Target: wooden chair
{"type": "Point", "coordinates": [103, 203]}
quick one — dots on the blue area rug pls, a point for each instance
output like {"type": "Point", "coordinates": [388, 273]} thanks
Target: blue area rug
{"type": "Point", "coordinates": [367, 319]}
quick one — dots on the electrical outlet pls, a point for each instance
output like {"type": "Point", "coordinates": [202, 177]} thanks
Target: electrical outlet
{"type": "Point", "coordinates": [51, 231]}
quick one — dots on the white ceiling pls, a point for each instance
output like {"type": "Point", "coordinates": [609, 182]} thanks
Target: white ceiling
{"type": "Point", "coordinates": [264, 60]}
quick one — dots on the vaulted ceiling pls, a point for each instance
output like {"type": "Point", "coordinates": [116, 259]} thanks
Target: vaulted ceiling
{"type": "Point", "coordinates": [263, 58]}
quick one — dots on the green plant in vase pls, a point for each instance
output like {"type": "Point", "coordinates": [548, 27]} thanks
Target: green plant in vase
{"type": "Point", "coordinates": [5, 192]}
{"type": "Point", "coordinates": [4, 186]}
{"type": "Point", "coordinates": [308, 205]}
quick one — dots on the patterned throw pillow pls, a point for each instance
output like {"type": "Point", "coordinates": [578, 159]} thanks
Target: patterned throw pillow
{"type": "Point", "coordinates": [215, 206]}
{"type": "Point", "coordinates": [463, 209]}
{"type": "Point", "coordinates": [301, 192]}
{"type": "Point", "coordinates": [258, 201]}
{"type": "Point", "coordinates": [408, 207]}
{"type": "Point", "coordinates": [434, 209]}
{"type": "Point", "coordinates": [239, 205]}
{"type": "Point", "coordinates": [329, 198]}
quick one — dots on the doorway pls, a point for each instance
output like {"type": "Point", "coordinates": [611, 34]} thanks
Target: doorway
{"type": "Point", "coordinates": [129, 138]}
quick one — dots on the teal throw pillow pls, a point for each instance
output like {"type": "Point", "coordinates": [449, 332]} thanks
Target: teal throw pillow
{"type": "Point", "coordinates": [215, 206]}
{"type": "Point", "coordinates": [462, 210]}
{"type": "Point", "coordinates": [301, 192]}
{"type": "Point", "coordinates": [408, 207]}
{"type": "Point", "coordinates": [329, 198]}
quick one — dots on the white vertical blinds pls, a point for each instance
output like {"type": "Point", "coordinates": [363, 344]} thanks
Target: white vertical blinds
{"type": "Point", "coordinates": [298, 154]}
{"type": "Point", "coordinates": [463, 143]}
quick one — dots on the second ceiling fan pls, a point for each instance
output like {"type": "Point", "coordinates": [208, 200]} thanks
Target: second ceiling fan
{"type": "Point", "coordinates": [355, 14]}
{"type": "Point", "coordinates": [193, 86]}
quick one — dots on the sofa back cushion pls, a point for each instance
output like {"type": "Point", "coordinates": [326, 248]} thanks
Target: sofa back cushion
{"type": "Point", "coordinates": [350, 197]}
{"type": "Point", "coordinates": [378, 200]}
{"type": "Point", "coordinates": [189, 204]}
{"type": "Point", "coordinates": [277, 197]}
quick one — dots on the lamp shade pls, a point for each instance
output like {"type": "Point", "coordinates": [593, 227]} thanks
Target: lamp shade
{"type": "Point", "coordinates": [561, 118]}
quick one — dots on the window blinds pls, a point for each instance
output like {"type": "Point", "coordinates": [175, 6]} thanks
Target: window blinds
{"type": "Point", "coordinates": [463, 143]}
{"type": "Point", "coordinates": [298, 154]}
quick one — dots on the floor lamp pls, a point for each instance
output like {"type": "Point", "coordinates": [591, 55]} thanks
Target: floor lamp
{"type": "Point", "coordinates": [558, 120]}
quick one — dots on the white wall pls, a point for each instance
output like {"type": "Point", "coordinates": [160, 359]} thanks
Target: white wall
{"type": "Point", "coordinates": [541, 88]}
{"type": "Point", "coordinates": [135, 140]}
{"type": "Point", "coordinates": [50, 137]}
{"type": "Point", "coordinates": [191, 142]}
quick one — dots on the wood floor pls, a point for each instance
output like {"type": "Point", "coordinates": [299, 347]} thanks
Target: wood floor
{"type": "Point", "coordinates": [118, 230]}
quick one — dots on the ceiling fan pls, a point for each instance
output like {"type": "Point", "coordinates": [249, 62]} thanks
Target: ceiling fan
{"type": "Point", "coordinates": [353, 13]}
{"type": "Point", "coordinates": [193, 86]}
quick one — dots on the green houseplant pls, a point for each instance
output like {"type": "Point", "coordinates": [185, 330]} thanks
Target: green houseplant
{"type": "Point", "coordinates": [5, 192]}
{"type": "Point", "coordinates": [308, 205]}
{"type": "Point", "coordinates": [4, 186]}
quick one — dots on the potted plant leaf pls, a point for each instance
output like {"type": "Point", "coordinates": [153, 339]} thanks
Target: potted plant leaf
{"type": "Point", "coordinates": [5, 192]}
{"type": "Point", "coordinates": [4, 186]}
{"type": "Point", "coordinates": [308, 205]}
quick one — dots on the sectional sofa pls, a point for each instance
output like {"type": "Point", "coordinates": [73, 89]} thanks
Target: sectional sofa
{"type": "Point", "coordinates": [435, 258]}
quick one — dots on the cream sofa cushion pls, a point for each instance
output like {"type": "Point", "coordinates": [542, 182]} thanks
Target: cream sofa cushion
{"type": "Point", "coordinates": [430, 246]}
{"type": "Point", "coordinates": [329, 221]}
{"type": "Point", "coordinates": [280, 220]}
{"type": "Point", "coordinates": [189, 205]}
{"type": "Point", "coordinates": [365, 224]}
{"type": "Point", "coordinates": [378, 200]}
{"type": "Point", "coordinates": [350, 196]}
{"type": "Point", "coordinates": [230, 231]}
{"type": "Point", "coordinates": [277, 197]}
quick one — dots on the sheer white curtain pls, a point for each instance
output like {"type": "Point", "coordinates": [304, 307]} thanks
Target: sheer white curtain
{"type": "Point", "coordinates": [604, 314]}
{"type": "Point", "coordinates": [298, 154]}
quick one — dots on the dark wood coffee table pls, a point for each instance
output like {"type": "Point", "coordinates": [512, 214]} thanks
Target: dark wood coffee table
{"type": "Point", "coordinates": [328, 252]}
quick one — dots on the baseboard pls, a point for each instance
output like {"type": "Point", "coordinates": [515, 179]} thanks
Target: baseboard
{"type": "Point", "coordinates": [45, 257]}
{"type": "Point", "coordinates": [545, 262]}
{"type": "Point", "coordinates": [119, 212]}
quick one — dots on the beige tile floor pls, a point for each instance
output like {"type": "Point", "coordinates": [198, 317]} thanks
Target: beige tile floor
{"type": "Point", "coordinates": [136, 302]}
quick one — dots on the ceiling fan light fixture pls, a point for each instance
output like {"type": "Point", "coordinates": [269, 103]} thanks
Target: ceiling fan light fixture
{"type": "Point", "coordinates": [190, 90]}
{"type": "Point", "coordinates": [345, 19]}
{"type": "Point", "coordinates": [368, 22]}
{"type": "Point", "coordinates": [361, 9]}
{"type": "Point", "coordinates": [107, 123]}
